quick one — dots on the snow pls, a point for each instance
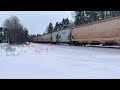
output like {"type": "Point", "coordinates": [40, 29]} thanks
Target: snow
{"type": "Point", "coordinates": [46, 61]}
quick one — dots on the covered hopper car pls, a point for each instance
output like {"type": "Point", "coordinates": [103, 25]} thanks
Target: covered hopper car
{"type": "Point", "coordinates": [61, 36]}
{"type": "Point", "coordinates": [105, 32]}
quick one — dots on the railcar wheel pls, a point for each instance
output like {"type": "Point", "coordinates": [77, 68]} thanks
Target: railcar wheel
{"type": "Point", "coordinates": [76, 43]}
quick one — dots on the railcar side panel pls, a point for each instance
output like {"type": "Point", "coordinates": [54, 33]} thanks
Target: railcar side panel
{"type": "Point", "coordinates": [64, 36]}
{"type": "Point", "coordinates": [46, 38]}
{"type": "Point", "coordinates": [108, 30]}
{"type": "Point", "coordinates": [54, 34]}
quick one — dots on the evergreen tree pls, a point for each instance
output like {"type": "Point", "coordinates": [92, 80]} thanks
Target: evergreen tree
{"type": "Point", "coordinates": [60, 26]}
{"type": "Point", "coordinates": [101, 14]}
{"type": "Point", "coordinates": [115, 13]}
{"type": "Point", "coordinates": [80, 17]}
{"type": "Point", "coordinates": [65, 23]}
{"type": "Point", "coordinates": [91, 16]}
{"type": "Point", "coordinates": [1, 34]}
{"type": "Point", "coordinates": [56, 27]}
{"type": "Point", "coordinates": [50, 28]}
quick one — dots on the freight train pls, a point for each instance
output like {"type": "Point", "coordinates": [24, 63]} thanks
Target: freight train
{"type": "Point", "coordinates": [105, 32]}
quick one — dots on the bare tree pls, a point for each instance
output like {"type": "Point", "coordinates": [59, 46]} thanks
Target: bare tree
{"type": "Point", "coordinates": [15, 30]}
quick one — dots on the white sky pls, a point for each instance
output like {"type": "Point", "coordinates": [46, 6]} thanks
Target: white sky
{"type": "Point", "coordinates": [36, 21]}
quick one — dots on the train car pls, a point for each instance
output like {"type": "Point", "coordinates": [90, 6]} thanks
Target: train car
{"type": "Point", "coordinates": [37, 39]}
{"type": "Point", "coordinates": [54, 37]}
{"type": "Point", "coordinates": [47, 38]}
{"type": "Point", "coordinates": [105, 32]}
{"type": "Point", "coordinates": [62, 36]}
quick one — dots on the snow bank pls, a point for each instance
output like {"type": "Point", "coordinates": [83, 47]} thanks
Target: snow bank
{"type": "Point", "coordinates": [58, 61]}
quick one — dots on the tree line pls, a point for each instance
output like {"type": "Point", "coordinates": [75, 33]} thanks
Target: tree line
{"type": "Point", "coordinates": [84, 17]}
{"type": "Point", "coordinates": [64, 24]}
{"type": "Point", "coordinates": [33, 36]}
{"type": "Point", "coordinates": [80, 18]}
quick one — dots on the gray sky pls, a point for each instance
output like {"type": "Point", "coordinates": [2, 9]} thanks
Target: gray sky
{"type": "Point", "coordinates": [36, 21]}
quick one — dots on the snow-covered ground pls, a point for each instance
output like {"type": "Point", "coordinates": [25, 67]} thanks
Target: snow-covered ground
{"type": "Point", "coordinates": [46, 61]}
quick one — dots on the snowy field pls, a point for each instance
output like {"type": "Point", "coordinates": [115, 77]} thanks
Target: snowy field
{"type": "Point", "coordinates": [46, 61]}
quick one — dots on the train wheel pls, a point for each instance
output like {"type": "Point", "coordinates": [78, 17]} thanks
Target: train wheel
{"type": "Point", "coordinates": [80, 44]}
{"type": "Point", "coordinates": [76, 43]}
{"type": "Point", "coordinates": [103, 44]}
{"type": "Point", "coordinates": [70, 43]}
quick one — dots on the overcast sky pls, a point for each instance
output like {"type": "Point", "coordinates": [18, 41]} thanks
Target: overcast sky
{"type": "Point", "coordinates": [36, 21]}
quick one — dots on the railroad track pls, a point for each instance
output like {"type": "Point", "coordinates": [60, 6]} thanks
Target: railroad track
{"type": "Point", "coordinates": [115, 47]}
{"type": "Point", "coordinates": [97, 46]}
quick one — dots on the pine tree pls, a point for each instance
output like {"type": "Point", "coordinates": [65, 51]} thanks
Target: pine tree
{"type": "Point", "coordinates": [91, 16]}
{"type": "Point", "coordinates": [60, 26]}
{"type": "Point", "coordinates": [56, 27]}
{"type": "Point", "coordinates": [80, 18]}
{"type": "Point", "coordinates": [65, 23]}
{"type": "Point", "coordinates": [115, 13]}
{"type": "Point", "coordinates": [1, 34]}
{"type": "Point", "coordinates": [102, 15]}
{"type": "Point", "coordinates": [50, 28]}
